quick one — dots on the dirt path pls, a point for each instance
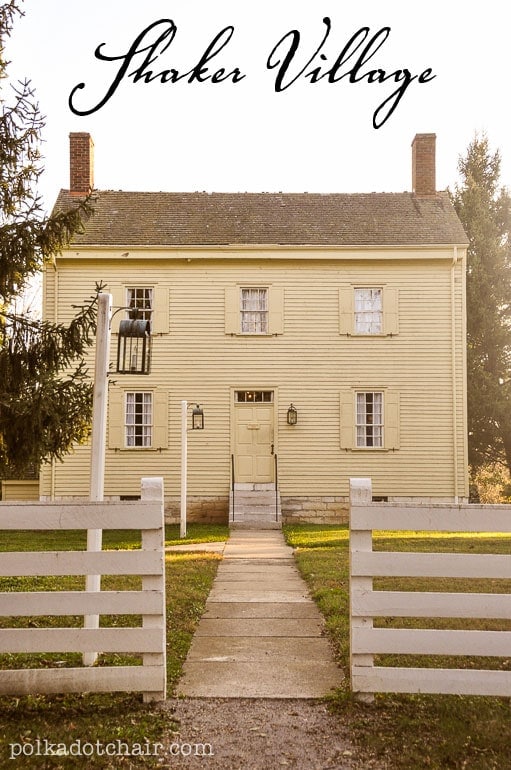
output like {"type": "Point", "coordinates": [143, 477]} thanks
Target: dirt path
{"type": "Point", "coordinates": [260, 734]}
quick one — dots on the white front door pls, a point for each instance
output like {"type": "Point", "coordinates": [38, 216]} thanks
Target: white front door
{"type": "Point", "coordinates": [254, 436]}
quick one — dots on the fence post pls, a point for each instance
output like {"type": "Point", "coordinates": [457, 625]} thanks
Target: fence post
{"type": "Point", "coordinates": [154, 540]}
{"type": "Point", "coordinates": [360, 540]}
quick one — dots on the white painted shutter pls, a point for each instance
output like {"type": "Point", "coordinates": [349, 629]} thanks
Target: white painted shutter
{"type": "Point", "coordinates": [232, 310]}
{"type": "Point", "coordinates": [390, 310]}
{"type": "Point", "coordinates": [392, 419]}
{"type": "Point", "coordinates": [160, 419]}
{"type": "Point", "coordinates": [347, 419]}
{"type": "Point", "coordinates": [115, 418]}
{"type": "Point", "coordinates": [160, 314]}
{"type": "Point", "coordinates": [346, 310]}
{"type": "Point", "coordinates": [276, 310]}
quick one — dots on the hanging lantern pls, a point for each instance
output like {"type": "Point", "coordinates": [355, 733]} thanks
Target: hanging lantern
{"type": "Point", "coordinates": [134, 346]}
{"type": "Point", "coordinates": [197, 418]}
{"type": "Point", "coordinates": [292, 415]}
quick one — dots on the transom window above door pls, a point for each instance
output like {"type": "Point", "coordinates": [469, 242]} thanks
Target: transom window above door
{"type": "Point", "coordinates": [253, 396]}
{"type": "Point", "coordinates": [254, 311]}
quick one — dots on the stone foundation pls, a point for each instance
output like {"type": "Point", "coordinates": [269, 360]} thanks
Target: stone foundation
{"type": "Point", "coordinates": [210, 510]}
{"type": "Point", "coordinates": [315, 510]}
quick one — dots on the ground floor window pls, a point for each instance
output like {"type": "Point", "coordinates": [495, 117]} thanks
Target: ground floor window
{"type": "Point", "coordinates": [139, 419]}
{"type": "Point", "coordinates": [369, 419]}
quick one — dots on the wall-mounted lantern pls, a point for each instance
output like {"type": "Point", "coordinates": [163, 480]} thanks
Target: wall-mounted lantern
{"type": "Point", "coordinates": [292, 415]}
{"type": "Point", "coordinates": [134, 345]}
{"type": "Point", "coordinates": [197, 418]}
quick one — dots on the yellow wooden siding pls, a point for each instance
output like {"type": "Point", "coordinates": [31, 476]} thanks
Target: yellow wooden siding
{"type": "Point", "coordinates": [310, 364]}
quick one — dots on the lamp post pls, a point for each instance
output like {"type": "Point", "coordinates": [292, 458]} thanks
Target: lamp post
{"type": "Point", "coordinates": [197, 424]}
{"type": "Point", "coordinates": [133, 357]}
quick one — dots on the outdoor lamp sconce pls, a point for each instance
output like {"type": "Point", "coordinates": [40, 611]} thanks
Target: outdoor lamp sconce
{"type": "Point", "coordinates": [292, 415]}
{"type": "Point", "coordinates": [134, 346]}
{"type": "Point", "coordinates": [197, 418]}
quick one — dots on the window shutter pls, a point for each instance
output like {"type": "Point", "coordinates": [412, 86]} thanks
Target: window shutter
{"type": "Point", "coordinates": [118, 293]}
{"type": "Point", "coordinates": [276, 308]}
{"type": "Point", "coordinates": [160, 419]}
{"type": "Point", "coordinates": [232, 310]}
{"type": "Point", "coordinates": [347, 419]}
{"type": "Point", "coordinates": [392, 419]}
{"type": "Point", "coordinates": [160, 314]}
{"type": "Point", "coordinates": [116, 418]}
{"type": "Point", "coordinates": [390, 310]}
{"type": "Point", "coordinates": [346, 310]}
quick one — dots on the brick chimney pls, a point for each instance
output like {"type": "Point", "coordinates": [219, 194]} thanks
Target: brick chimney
{"type": "Point", "coordinates": [81, 163]}
{"type": "Point", "coordinates": [423, 164]}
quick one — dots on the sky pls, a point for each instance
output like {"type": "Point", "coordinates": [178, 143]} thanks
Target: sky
{"type": "Point", "coordinates": [265, 125]}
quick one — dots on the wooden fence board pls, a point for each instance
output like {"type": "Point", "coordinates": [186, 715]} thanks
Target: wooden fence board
{"type": "Point", "coordinates": [127, 640]}
{"type": "Point", "coordinates": [449, 565]}
{"type": "Point", "coordinates": [80, 563]}
{"type": "Point", "coordinates": [421, 641]}
{"type": "Point", "coordinates": [404, 604]}
{"type": "Point", "coordinates": [432, 680]}
{"type": "Point", "coordinates": [80, 515]}
{"type": "Point", "coordinates": [435, 518]}
{"type": "Point", "coordinates": [18, 604]}
{"type": "Point", "coordinates": [67, 680]}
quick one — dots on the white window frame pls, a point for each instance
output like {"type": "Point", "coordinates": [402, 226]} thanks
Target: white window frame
{"type": "Point", "coordinates": [138, 422]}
{"type": "Point", "coordinates": [142, 298]}
{"type": "Point", "coordinates": [254, 310]}
{"type": "Point", "coordinates": [369, 423]}
{"type": "Point", "coordinates": [368, 302]}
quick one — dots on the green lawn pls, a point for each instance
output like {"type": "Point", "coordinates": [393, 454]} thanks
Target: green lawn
{"type": "Point", "coordinates": [410, 731]}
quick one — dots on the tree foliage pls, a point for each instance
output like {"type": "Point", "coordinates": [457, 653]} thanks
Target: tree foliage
{"type": "Point", "coordinates": [45, 395]}
{"type": "Point", "coordinates": [485, 211]}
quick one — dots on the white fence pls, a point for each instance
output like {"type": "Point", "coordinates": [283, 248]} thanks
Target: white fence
{"type": "Point", "coordinates": [148, 562]}
{"type": "Point", "coordinates": [366, 604]}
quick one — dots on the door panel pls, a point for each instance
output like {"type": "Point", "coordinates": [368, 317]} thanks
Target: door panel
{"type": "Point", "coordinates": [253, 442]}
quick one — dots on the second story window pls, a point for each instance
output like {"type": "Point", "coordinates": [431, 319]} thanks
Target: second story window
{"type": "Point", "coordinates": [254, 311]}
{"type": "Point", "coordinates": [368, 311]}
{"type": "Point", "coordinates": [141, 298]}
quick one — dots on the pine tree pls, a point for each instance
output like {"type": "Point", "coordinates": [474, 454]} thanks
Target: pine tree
{"type": "Point", "coordinates": [45, 395]}
{"type": "Point", "coordinates": [485, 211]}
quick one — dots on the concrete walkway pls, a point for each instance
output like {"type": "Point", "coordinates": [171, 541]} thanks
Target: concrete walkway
{"type": "Point", "coordinates": [261, 633]}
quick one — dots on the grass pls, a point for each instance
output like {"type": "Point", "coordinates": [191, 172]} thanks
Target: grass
{"type": "Point", "coordinates": [409, 731]}
{"type": "Point", "coordinates": [103, 717]}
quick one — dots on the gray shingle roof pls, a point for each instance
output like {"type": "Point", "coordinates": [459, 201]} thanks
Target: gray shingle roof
{"type": "Point", "coordinates": [214, 219]}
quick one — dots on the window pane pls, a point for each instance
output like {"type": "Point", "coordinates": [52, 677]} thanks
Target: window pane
{"type": "Point", "coordinates": [139, 419]}
{"type": "Point", "coordinates": [368, 311]}
{"type": "Point", "coordinates": [369, 419]}
{"type": "Point", "coordinates": [141, 297]}
{"type": "Point", "coordinates": [254, 311]}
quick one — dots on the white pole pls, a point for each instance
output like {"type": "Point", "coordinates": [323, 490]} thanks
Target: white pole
{"type": "Point", "coordinates": [184, 465]}
{"type": "Point", "coordinates": [98, 443]}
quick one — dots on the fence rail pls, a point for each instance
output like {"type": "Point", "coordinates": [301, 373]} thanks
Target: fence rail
{"type": "Point", "coordinates": [148, 563]}
{"type": "Point", "coordinates": [367, 604]}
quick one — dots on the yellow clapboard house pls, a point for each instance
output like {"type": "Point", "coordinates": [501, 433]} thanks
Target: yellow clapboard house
{"type": "Point", "coordinates": [322, 334]}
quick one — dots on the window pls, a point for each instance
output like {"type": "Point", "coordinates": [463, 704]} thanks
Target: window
{"type": "Point", "coordinates": [369, 420]}
{"type": "Point", "coordinates": [141, 298]}
{"type": "Point", "coordinates": [254, 311]}
{"type": "Point", "coordinates": [139, 419]}
{"type": "Point", "coordinates": [368, 311]}
{"type": "Point", "coordinates": [253, 396]}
